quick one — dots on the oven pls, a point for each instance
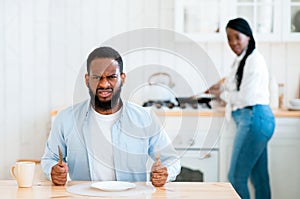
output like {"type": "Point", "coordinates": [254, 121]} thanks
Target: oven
{"type": "Point", "coordinates": [198, 164]}
{"type": "Point", "coordinates": [201, 169]}
{"type": "Point", "coordinates": [195, 139]}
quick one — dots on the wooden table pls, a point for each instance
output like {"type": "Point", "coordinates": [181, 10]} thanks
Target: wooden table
{"type": "Point", "coordinates": [9, 189]}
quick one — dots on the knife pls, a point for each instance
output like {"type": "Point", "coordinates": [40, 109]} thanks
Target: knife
{"type": "Point", "coordinates": [157, 156]}
{"type": "Point", "coordinates": [60, 156]}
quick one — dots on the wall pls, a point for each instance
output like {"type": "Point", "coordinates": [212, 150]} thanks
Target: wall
{"type": "Point", "coordinates": [44, 45]}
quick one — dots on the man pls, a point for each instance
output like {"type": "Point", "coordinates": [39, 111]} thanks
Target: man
{"type": "Point", "coordinates": [105, 138]}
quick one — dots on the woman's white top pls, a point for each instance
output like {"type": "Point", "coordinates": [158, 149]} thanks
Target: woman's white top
{"type": "Point", "coordinates": [254, 88]}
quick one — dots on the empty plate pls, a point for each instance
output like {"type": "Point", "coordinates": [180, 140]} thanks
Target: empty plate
{"type": "Point", "coordinates": [113, 185]}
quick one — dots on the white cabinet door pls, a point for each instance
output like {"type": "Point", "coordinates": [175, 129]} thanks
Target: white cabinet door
{"type": "Point", "coordinates": [284, 159]}
{"type": "Point", "coordinates": [291, 23]}
{"type": "Point", "coordinates": [226, 144]}
{"type": "Point", "coordinates": [201, 20]}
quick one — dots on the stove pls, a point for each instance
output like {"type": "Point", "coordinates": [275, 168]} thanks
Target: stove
{"type": "Point", "coordinates": [159, 103]}
{"type": "Point", "coordinates": [181, 102]}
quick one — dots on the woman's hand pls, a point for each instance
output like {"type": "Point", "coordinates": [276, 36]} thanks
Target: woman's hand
{"type": "Point", "coordinates": [216, 89]}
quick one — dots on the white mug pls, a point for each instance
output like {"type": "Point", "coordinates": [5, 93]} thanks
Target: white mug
{"type": "Point", "coordinates": [23, 172]}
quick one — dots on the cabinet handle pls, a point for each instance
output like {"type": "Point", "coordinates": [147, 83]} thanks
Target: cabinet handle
{"type": "Point", "coordinates": [206, 156]}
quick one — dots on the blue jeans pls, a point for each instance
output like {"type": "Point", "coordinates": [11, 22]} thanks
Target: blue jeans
{"type": "Point", "coordinates": [255, 127]}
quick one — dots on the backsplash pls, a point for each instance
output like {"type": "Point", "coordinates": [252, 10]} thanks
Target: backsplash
{"type": "Point", "coordinates": [44, 45]}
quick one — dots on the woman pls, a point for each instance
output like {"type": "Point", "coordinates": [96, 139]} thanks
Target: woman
{"type": "Point", "coordinates": [246, 93]}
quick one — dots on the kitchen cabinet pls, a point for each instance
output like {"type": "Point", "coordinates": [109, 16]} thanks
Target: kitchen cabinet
{"type": "Point", "coordinates": [284, 157]}
{"type": "Point", "coordinates": [263, 16]}
{"type": "Point", "coordinates": [271, 20]}
{"type": "Point", "coordinates": [291, 24]}
{"type": "Point", "coordinates": [201, 20]}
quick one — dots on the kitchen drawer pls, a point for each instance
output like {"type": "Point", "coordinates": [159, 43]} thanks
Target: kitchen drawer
{"type": "Point", "coordinates": [196, 140]}
{"type": "Point", "coordinates": [193, 131]}
{"type": "Point", "coordinates": [287, 127]}
{"type": "Point", "coordinates": [186, 123]}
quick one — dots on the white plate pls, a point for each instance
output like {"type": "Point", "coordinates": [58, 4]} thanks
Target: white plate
{"type": "Point", "coordinates": [294, 108]}
{"type": "Point", "coordinates": [113, 185]}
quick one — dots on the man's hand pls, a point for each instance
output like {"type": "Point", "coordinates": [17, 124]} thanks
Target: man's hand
{"type": "Point", "coordinates": [59, 174]}
{"type": "Point", "coordinates": [159, 174]}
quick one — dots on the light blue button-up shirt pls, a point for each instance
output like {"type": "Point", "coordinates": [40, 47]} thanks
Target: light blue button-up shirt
{"type": "Point", "coordinates": [136, 136]}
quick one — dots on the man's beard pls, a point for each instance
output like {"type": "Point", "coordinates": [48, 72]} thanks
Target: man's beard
{"type": "Point", "coordinates": [105, 105]}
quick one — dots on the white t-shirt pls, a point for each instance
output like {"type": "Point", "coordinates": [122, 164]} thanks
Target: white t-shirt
{"type": "Point", "coordinates": [254, 88]}
{"type": "Point", "coordinates": [104, 171]}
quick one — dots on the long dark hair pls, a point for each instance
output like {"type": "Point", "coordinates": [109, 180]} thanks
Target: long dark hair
{"type": "Point", "coordinates": [242, 26]}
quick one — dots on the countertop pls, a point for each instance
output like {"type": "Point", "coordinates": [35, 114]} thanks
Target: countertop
{"type": "Point", "coordinates": [219, 112]}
